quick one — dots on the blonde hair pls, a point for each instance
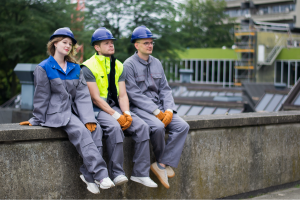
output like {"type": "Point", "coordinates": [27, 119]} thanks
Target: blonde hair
{"type": "Point", "coordinates": [70, 57]}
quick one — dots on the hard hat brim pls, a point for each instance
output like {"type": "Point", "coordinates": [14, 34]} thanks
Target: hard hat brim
{"type": "Point", "coordinates": [73, 40]}
{"type": "Point", "coordinates": [152, 37]}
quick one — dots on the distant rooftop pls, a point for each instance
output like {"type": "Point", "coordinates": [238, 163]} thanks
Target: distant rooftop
{"type": "Point", "coordinates": [230, 54]}
{"type": "Point", "coordinates": [289, 54]}
{"type": "Point", "coordinates": [208, 53]}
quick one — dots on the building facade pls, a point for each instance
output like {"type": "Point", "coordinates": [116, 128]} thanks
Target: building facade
{"type": "Point", "coordinates": [275, 11]}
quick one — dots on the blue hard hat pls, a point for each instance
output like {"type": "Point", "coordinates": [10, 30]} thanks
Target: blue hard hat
{"type": "Point", "coordinates": [64, 32]}
{"type": "Point", "coordinates": [141, 32]}
{"type": "Point", "coordinates": [101, 34]}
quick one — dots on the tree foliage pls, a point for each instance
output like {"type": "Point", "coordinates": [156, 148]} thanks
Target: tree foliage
{"type": "Point", "coordinates": [122, 16]}
{"type": "Point", "coordinates": [204, 24]}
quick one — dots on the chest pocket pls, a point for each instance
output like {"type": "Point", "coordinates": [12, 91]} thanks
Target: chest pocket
{"type": "Point", "coordinates": [75, 82]}
{"type": "Point", "coordinates": [140, 81]}
{"type": "Point", "coordinates": [157, 78]}
{"type": "Point", "coordinates": [56, 85]}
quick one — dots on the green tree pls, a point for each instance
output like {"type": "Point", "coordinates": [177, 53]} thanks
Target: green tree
{"type": "Point", "coordinates": [25, 29]}
{"type": "Point", "coordinates": [204, 24]}
{"type": "Point", "coordinates": [122, 16]}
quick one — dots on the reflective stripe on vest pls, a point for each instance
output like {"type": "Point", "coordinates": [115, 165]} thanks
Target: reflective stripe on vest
{"type": "Point", "coordinates": [100, 67]}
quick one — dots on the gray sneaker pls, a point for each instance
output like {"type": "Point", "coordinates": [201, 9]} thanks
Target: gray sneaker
{"type": "Point", "coordinates": [161, 174]}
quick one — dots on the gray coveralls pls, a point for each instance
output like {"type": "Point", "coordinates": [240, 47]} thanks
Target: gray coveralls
{"type": "Point", "coordinates": [148, 89]}
{"type": "Point", "coordinates": [114, 137]}
{"type": "Point", "coordinates": [62, 99]}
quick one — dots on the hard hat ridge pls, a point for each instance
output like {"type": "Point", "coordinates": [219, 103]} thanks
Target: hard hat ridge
{"type": "Point", "coordinates": [101, 34]}
{"type": "Point", "coordinates": [65, 31]}
{"type": "Point", "coordinates": [141, 32]}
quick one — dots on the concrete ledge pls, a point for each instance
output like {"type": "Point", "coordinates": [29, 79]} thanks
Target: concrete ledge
{"type": "Point", "coordinates": [243, 119]}
{"type": "Point", "coordinates": [223, 156]}
{"type": "Point", "coordinates": [15, 132]}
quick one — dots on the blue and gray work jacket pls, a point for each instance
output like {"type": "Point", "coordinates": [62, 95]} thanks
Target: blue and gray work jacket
{"type": "Point", "coordinates": [57, 93]}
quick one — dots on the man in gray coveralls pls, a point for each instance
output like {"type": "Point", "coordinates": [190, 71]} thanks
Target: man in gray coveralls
{"type": "Point", "coordinates": [105, 78]}
{"type": "Point", "coordinates": [151, 99]}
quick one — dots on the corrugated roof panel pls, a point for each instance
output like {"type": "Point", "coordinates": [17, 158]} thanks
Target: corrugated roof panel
{"type": "Point", "coordinates": [182, 110]}
{"type": "Point", "coordinates": [206, 94]}
{"type": "Point", "coordinates": [281, 102]}
{"type": "Point", "coordinates": [264, 102]}
{"type": "Point", "coordinates": [207, 111]}
{"type": "Point", "coordinates": [234, 110]}
{"type": "Point", "coordinates": [195, 110]}
{"type": "Point", "coordinates": [184, 94]}
{"type": "Point", "coordinates": [274, 102]}
{"type": "Point", "coordinates": [213, 94]}
{"type": "Point", "coordinates": [199, 93]}
{"type": "Point", "coordinates": [297, 101]}
{"type": "Point", "coordinates": [221, 111]}
{"type": "Point", "coordinates": [192, 93]}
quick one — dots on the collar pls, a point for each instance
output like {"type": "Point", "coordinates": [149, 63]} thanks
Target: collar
{"type": "Point", "coordinates": [136, 56]}
{"type": "Point", "coordinates": [55, 65]}
{"type": "Point", "coordinates": [101, 57]}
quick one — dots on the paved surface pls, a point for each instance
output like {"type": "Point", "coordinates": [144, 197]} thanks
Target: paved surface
{"type": "Point", "coordinates": [291, 193]}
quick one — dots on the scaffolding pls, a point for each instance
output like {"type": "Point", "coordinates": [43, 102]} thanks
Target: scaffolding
{"type": "Point", "coordinates": [245, 47]}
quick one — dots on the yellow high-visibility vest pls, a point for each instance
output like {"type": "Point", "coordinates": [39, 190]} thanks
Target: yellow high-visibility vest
{"type": "Point", "coordinates": [100, 67]}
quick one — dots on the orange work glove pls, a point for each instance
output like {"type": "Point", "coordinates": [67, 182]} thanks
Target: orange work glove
{"type": "Point", "coordinates": [122, 120]}
{"type": "Point", "coordinates": [25, 123]}
{"type": "Point", "coordinates": [168, 118]}
{"type": "Point", "coordinates": [160, 116]}
{"type": "Point", "coordinates": [128, 121]}
{"type": "Point", "coordinates": [91, 126]}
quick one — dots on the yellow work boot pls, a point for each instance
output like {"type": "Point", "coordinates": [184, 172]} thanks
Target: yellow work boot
{"type": "Point", "coordinates": [170, 172]}
{"type": "Point", "coordinates": [161, 174]}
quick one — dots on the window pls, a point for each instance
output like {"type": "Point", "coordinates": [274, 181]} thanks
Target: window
{"type": "Point", "coordinates": [275, 9]}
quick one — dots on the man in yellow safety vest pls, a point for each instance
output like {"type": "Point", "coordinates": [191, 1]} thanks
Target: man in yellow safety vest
{"type": "Point", "coordinates": [105, 79]}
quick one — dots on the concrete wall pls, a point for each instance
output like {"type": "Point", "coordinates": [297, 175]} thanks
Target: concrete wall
{"type": "Point", "coordinates": [224, 155]}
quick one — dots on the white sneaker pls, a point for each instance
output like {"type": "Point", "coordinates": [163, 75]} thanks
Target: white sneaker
{"type": "Point", "coordinates": [92, 187]}
{"type": "Point", "coordinates": [121, 179]}
{"type": "Point", "coordinates": [105, 183]}
{"type": "Point", "coordinates": [146, 181]}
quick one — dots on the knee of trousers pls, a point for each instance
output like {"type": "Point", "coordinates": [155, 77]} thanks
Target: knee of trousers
{"type": "Point", "coordinates": [114, 134]}
{"type": "Point", "coordinates": [158, 130]}
{"type": "Point", "coordinates": [184, 126]}
{"type": "Point", "coordinates": [142, 132]}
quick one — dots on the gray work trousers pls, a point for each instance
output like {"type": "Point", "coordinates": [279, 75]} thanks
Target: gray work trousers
{"type": "Point", "coordinates": [89, 146]}
{"type": "Point", "coordinates": [114, 141]}
{"type": "Point", "coordinates": [165, 152]}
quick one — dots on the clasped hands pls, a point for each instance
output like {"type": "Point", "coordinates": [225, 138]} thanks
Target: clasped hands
{"type": "Point", "coordinates": [165, 117]}
{"type": "Point", "coordinates": [125, 121]}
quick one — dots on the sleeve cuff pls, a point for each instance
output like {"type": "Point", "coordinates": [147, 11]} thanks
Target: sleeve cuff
{"type": "Point", "coordinates": [156, 111]}
{"type": "Point", "coordinates": [127, 112]}
{"type": "Point", "coordinates": [116, 115]}
{"type": "Point", "coordinates": [170, 110]}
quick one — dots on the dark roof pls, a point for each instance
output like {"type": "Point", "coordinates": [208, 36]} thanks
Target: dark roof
{"type": "Point", "coordinates": [292, 101]}
{"type": "Point", "coordinates": [255, 91]}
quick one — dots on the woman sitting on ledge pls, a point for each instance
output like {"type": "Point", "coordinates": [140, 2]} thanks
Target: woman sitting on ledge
{"type": "Point", "coordinates": [62, 99]}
